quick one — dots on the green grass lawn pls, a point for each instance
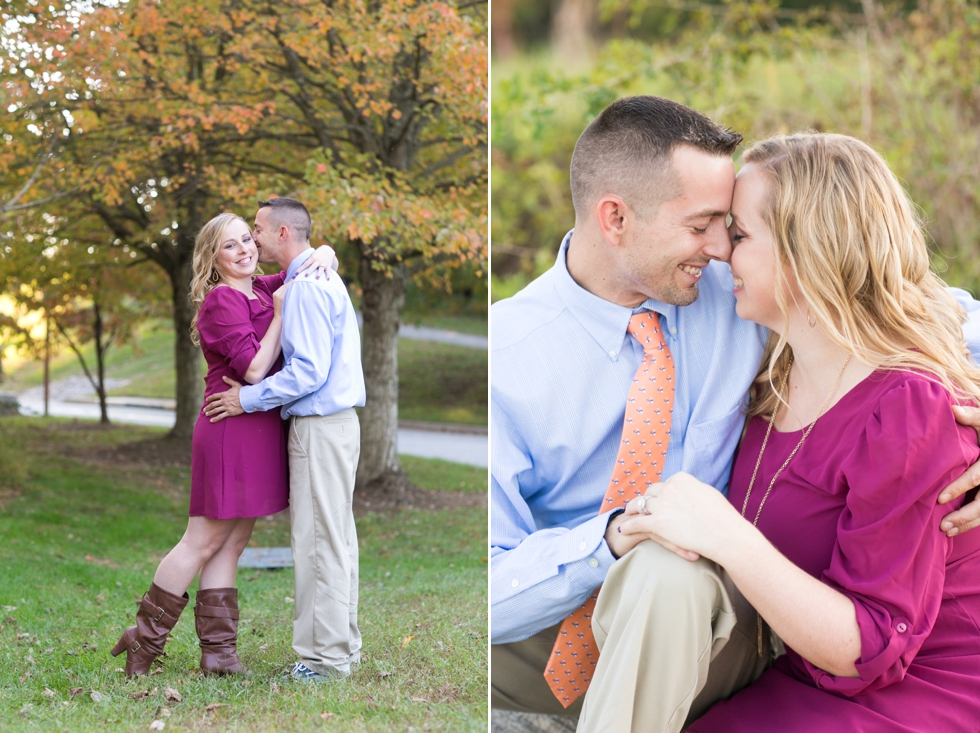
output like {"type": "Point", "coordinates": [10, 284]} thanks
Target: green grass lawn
{"type": "Point", "coordinates": [437, 382]}
{"type": "Point", "coordinates": [81, 543]}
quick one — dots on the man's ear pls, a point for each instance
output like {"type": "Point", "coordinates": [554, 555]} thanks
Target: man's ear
{"type": "Point", "coordinates": [613, 217]}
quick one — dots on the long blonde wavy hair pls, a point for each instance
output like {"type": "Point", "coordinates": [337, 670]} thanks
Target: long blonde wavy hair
{"type": "Point", "coordinates": [845, 228]}
{"type": "Point", "coordinates": [206, 275]}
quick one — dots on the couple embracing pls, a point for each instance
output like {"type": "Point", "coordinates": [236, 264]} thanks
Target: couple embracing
{"type": "Point", "coordinates": [655, 566]}
{"type": "Point", "coordinates": [289, 437]}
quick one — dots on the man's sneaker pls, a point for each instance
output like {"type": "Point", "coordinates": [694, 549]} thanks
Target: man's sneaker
{"type": "Point", "coordinates": [302, 673]}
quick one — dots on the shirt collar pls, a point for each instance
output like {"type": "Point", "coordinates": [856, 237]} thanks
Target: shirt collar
{"type": "Point", "coordinates": [606, 322]}
{"type": "Point", "coordinates": [297, 262]}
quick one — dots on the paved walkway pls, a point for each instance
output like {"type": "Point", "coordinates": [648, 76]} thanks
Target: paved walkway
{"type": "Point", "coordinates": [468, 448]}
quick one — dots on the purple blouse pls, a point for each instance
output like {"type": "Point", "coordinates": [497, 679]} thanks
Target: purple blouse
{"type": "Point", "coordinates": [856, 507]}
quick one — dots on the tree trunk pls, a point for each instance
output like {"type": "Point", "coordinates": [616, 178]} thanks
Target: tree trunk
{"type": "Point", "coordinates": [187, 356]}
{"type": "Point", "coordinates": [47, 364]}
{"type": "Point", "coordinates": [100, 364]}
{"type": "Point", "coordinates": [573, 30]}
{"type": "Point", "coordinates": [381, 304]}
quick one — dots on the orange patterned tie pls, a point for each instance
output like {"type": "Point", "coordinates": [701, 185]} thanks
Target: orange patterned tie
{"type": "Point", "coordinates": [646, 432]}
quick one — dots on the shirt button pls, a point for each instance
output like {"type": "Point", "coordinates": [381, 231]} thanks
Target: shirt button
{"type": "Point", "coordinates": [902, 628]}
{"type": "Point", "coordinates": [612, 354]}
{"type": "Point", "coordinates": [673, 330]}
{"type": "Point", "coordinates": [514, 583]}
{"type": "Point", "coordinates": [593, 563]}
{"type": "Point", "coordinates": [582, 546]}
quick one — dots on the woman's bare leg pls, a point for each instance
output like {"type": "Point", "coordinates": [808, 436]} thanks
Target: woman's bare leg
{"type": "Point", "coordinates": [202, 539]}
{"type": "Point", "coordinates": [220, 570]}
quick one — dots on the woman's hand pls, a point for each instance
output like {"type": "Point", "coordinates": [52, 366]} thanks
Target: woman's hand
{"type": "Point", "coordinates": [688, 517]}
{"type": "Point", "coordinates": [323, 259]}
{"type": "Point", "coordinates": [278, 298]}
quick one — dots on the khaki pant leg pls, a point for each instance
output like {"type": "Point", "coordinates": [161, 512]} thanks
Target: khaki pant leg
{"type": "Point", "coordinates": [660, 621]}
{"type": "Point", "coordinates": [517, 676]}
{"type": "Point", "coordinates": [323, 454]}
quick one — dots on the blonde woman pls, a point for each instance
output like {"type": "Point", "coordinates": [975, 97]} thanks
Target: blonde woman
{"type": "Point", "coordinates": [831, 528]}
{"type": "Point", "coordinates": [239, 466]}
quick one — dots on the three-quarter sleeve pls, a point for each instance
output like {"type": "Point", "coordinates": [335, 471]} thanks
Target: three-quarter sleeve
{"type": "Point", "coordinates": [890, 554]}
{"type": "Point", "coordinates": [271, 283]}
{"type": "Point", "coordinates": [225, 326]}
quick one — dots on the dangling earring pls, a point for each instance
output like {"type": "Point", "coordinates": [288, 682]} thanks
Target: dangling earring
{"type": "Point", "coordinates": [215, 277]}
{"type": "Point", "coordinates": [811, 319]}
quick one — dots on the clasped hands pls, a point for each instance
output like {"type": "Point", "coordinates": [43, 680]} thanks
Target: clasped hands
{"type": "Point", "coordinates": [685, 515]}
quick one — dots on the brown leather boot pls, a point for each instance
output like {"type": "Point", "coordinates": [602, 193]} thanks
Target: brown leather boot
{"type": "Point", "coordinates": [216, 618]}
{"type": "Point", "coordinates": [157, 615]}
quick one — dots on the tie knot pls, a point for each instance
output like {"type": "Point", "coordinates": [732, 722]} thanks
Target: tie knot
{"type": "Point", "coordinates": [645, 328]}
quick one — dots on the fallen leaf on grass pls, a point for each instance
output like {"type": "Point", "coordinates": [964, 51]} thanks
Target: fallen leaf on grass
{"type": "Point", "coordinates": [75, 692]}
{"type": "Point", "coordinates": [171, 694]}
{"type": "Point", "coordinates": [100, 597]}
{"type": "Point", "coordinates": [157, 670]}
{"type": "Point", "coordinates": [10, 609]}
{"type": "Point", "coordinates": [273, 687]}
{"type": "Point", "coordinates": [138, 695]}
{"type": "Point", "coordinates": [26, 709]}
{"type": "Point", "coordinates": [407, 640]}
{"type": "Point", "coordinates": [49, 693]}
{"type": "Point", "coordinates": [70, 653]}
{"type": "Point", "coordinates": [326, 716]}
{"type": "Point", "coordinates": [420, 699]}
{"type": "Point", "coordinates": [90, 646]}
{"type": "Point", "coordinates": [289, 600]}
{"type": "Point", "coordinates": [10, 620]}
{"type": "Point", "coordinates": [213, 706]}
{"type": "Point", "coordinates": [162, 712]}
{"type": "Point", "coordinates": [48, 650]}
{"type": "Point", "coordinates": [384, 674]}
{"type": "Point", "coordinates": [97, 696]}
{"type": "Point", "coordinates": [157, 725]}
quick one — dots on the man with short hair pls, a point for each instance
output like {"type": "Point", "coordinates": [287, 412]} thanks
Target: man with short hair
{"type": "Point", "coordinates": [319, 385]}
{"type": "Point", "coordinates": [652, 183]}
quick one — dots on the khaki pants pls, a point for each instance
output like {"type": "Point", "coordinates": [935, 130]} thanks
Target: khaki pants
{"type": "Point", "coordinates": [675, 637]}
{"type": "Point", "coordinates": [323, 454]}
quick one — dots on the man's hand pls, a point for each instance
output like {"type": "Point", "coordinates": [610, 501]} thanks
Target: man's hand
{"type": "Point", "coordinates": [224, 404]}
{"type": "Point", "coordinates": [620, 544]}
{"type": "Point", "coordinates": [968, 516]}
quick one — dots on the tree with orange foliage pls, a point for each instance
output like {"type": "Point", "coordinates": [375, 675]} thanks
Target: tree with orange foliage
{"type": "Point", "coordinates": [164, 114]}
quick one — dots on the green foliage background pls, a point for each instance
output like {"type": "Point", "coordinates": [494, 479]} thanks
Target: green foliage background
{"type": "Point", "coordinates": [904, 79]}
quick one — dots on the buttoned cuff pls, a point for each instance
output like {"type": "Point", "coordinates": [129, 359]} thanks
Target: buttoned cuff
{"type": "Point", "coordinates": [248, 397]}
{"type": "Point", "coordinates": [589, 557]}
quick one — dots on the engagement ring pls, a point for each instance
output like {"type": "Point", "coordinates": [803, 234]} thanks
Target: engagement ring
{"type": "Point", "coordinates": [641, 504]}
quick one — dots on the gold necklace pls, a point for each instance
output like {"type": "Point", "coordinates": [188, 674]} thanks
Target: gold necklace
{"type": "Point", "coordinates": [765, 441]}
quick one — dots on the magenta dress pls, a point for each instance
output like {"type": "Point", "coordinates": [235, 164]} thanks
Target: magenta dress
{"type": "Point", "coordinates": [239, 466]}
{"type": "Point", "coordinates": [856, 508]}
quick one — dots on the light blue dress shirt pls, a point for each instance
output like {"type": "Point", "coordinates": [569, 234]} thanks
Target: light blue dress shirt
{"type": "Point", "coordinates": [321, 350]}
{"type": "Point", "coordinates": [562, 364]}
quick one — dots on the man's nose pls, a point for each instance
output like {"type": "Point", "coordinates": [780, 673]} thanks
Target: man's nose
{"type": "Point", "coordinates": [719, 246]}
